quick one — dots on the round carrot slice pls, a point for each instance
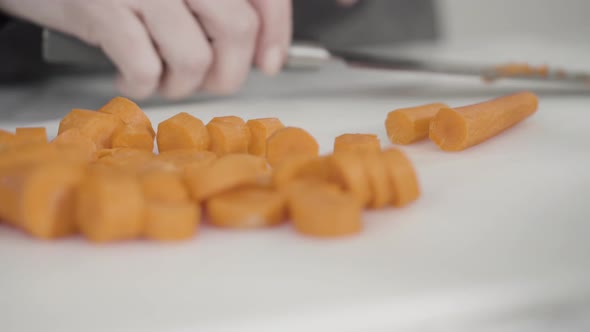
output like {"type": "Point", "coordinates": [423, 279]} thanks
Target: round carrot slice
{"type": "Point", "coordinates": [171, 221]}
{"type": "Point", "coordinates": [133, 137]}
{"type": "Point", "coordinates": [182, 131]}
{"type": "Point", "coordinates": [408, 125]}
{"type": "Point", "coordinates": [74, 139]}
{"type": "Point", "coordinates": [228, 136]}
{"type": "Point", "coordinates": [97, 126]}
{"type": "Point", "coordinates": [129, 113]}
{"type": "Point", "coordinates": [164, 186]}
{"type": "Point", "coordinates": [378, 176]}
{"type": "Point", "coordinates": [290, 141]}
{"type": "Point", "coordinates": [260, 131]}
{"type": "Point", "coordinates": [348, 170]}
{"type": "Point", "coordinates": [402, 177]}
{"type": "Point", "coordinates": [357, 143]}
{"type": "Point", "coordinates": [187, 158]}
{"type": "Point", "coordinates": [33, 135]}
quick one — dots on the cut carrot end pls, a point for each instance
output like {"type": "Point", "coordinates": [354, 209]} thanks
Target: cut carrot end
{"type": "Point", "coordinates": [357, 143]}
{"type": "Point", "coordinates": [448, 130]}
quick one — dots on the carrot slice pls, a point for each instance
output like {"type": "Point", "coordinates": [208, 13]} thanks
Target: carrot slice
{"type": "Point", "coordinates": [229, 134]}
{"type": "Point", "coordinates": [164, 186]}
{"type": "Point", "coordinates": [171, 221]}
{"type": "Point", "coordinates": [290, 141]}
{"type": "Point", "coordinates": [129, 113]}
{"type": "Point", "coordinates": [133, 137]}
{"type": "Point", "coordinates": [110, 206]}
{"type": "Point", "coordinates": [378, 176]}
{"type": "Point", "coordinates": [27, 155]}
{"type": "Point", "coordinates": [247, 208]}
{"type": "Point", "coordinates": [323, 212]}
{"type": "Point", "coordinates": [349, 171]}
{"type": "Point", "coordinates": [73, 138]}
{"type": "Point", "coordinates": [36, 135]}
{"type": "Point", "coordinates": [187, 158]}
{"type": "Point", "coordinates": [408, 125]}
{"type": "Point", "coordinates": [260, 131]}
{"type": "Point", "coordinates": [182, 131]}
{"type": "Point", "coordinates": [131, 160]}
{"type": "Point", "coordinates": [402, 177]}
{"type": "Point", "coordinates": [460, 128]}
{"type": "Point", "coordinates": [301, 167]}
{"type": "Point", "coordinates": [97, 126]}
{"type": "Point", "coordinates": [227, 172]}
{"type": "Point", "coordinates": [6, 139]}
{"type": "Point", "coordinates": [357, 143]}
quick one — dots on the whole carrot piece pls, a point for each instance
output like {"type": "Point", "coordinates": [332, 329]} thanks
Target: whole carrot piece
{"type": "Point", "coordinates": [460, 128]}
{"type": "Point", "coordinates": [408, 125]}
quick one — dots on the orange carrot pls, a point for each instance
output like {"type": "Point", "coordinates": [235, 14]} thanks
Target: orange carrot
{"type": "Point", "coordinates": [323, 212]}
{"type": "Point", "coordinates": [131, 160]}
{"type": "Point", "coordinates": [247, 208]}
{"type": "Point", "coordinates": [408, 125]}
{"type": "Point", "coordinates": [349, 171]}
{"type": "Point", "coordinates": [129, 113]}
{"type": "Point", "coordinates": [227, 172]}
{"type": "Point", "coordinates": [73, 138]}
{"type": "Point", "coordinates": [290, 141]}
{"type": "Point", "coordinates": [378, 175]}
{"type": "Point", "coordinates": [27, 155]}
{"type": "Point", "coordinates": [187, 158]}
{"type": "Point", "coordinates": [182, 131]}
{"type": "Point", "coordinates": [31, 135]}
{"type": "Point", "coordinates": [171, 221]}
{"type": "Point", "coordinates": [301, 167]}
{"type": "Point", "coordinates": [402, 177]}
{"type": "Point", "coordinates": [6, 139]}
{"type": "Point", "coordinates": [460, 128]}
{"type": "Point", "coordinates": [228, 135]}
{"type": "Point", "coordinates": [357, 143]}
{"type": "Point", "coordinates": [260, 131]}
{"type": "Point", "coordinates": [97, 126]}
{"type": "Point", "coordinates": [133, 137]}
{"type": "Point", "coordinates": [164, 186]}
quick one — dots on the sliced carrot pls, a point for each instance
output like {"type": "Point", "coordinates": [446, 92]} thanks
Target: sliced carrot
{"type": "Point", "coordinates": [110, 206]}
{"type": "Point", "coordinates": [301, 167]}
{"type": "Point", "coordinates": [187, 158]}
{"type": "Point", "coordinates": [129, 113]}
{"type": "Point", "coordinates": [227, 172]}
{"type": "Point", "coordinates": [34, 135]}
{"type": "Point", "coordinates": [97, 126]}
{"type": "Point", "coordinates": [6, 139]}
{"type": "Point", "coordinates": [260, 131]}
{"type": "Point", "coordinates": [323, 212]}
{"type": "Point", "coordinates": [402, 177]}
{"type": "Point", "coordinates": [11, 184]}
{"type": "Point", "coordinates": [349, 171]}
{"type": "Point", "coordinates": [378, 175]}
{"type": "Point", "coordinates": [408, 125]}
{"type": "Point", "coordinates": [306, 184]}
{"type": "Point", "coordinates": [123, 153]}
{"type": "Point", "coordinates": [182, 131]}
{"type": "Point", "coordinates": [73, 138]}
{"type": "Point", "coordinates": [290, 141]}
{"type": "Point", "coordinates": [171, 221]}
{"type": "Point", "coordinates": [228, 135]}
{"type": "Point", "coordinates": [357, 143]}
{"type": "Point", "coordinates": [247, 208]}
{"type": "Point", "coordinates": [460, 128]}
{"type": "Point", "coordinates": [27, 155]}
{"type": "Point", "coordinates": [125, 158]}
{"type": "Point", "coordinates": [164, 186]}
{"type": "Point", "coordinates": [133, 137]}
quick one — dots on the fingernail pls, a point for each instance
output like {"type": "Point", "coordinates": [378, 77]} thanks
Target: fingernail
{"type": "Point", "coordinates": [272, 61]}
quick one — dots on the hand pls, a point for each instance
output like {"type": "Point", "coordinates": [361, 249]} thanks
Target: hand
{"type": "Point", "coordinates": [175, 47]}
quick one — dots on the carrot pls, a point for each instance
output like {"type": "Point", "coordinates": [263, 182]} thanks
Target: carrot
{"type": "Point", "coordinates": [323, 212]}
{"type": "Point", "coordinates": [97, 126]}
{"type": "Point", "coordinates": [301, 166]}
{"type": "Point", "coordinates": [73, 138]}
{"type": "Point", "coordinates": [6, 139]}
{"type": "Point", "coordinates": [133, 137]}
{"type": "Point", "coordinates": [124, 158]}
{"type": "Point", "coordinates": [228, 135]}
{"type": "Point", "coordinates": [129, 113]}
{"type": "Point", "coordinates": [171, 221]}
{"type": "Point", "coordinates": [402, 177]}
{"type": "Point", "coordinates": [182, 131]}
{"type": "Point", "coordinates": [227, 172]}
{"type": "Point", "coordinates": [110, 206]}
{"type": "Point", "coordinates": [27, 155]}
{"type": "Point", "coordinates": [260, 131]}
{"type": "Point", "coordinates": [349, 171]}
{"type": "Point", "coordinates": [378, 175]}
{"type": "Point", "coordinates": [460, 128]}
{"type": "Point", "coordinates": [164, 186]}
{"type": "Point", "coordinates": [246, 208]}
{"type": "Point", "coordinates": [357, 143]}
{"type": "Point", "coordinates": [408, 125]}
{"type": "Point", "coordinates": [31, 135]}
{"type": "Point", "coordinates": [187, 158]}
{"type": "Point", "coordinates": [290, 141]}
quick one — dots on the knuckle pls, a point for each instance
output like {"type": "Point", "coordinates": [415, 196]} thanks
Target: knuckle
{"type": "Point", "coordinates": [246, 27]}
{"type": "Point", "coordinates": [145, 73]}
{"type": "Point", "coordinates": [196, 64]}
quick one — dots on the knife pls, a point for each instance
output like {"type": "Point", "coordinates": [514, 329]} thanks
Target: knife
{"type": "Point", "coordinates": [59, 48]}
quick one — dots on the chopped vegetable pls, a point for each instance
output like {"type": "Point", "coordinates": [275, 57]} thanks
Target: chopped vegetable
{"type": "Point", "coordinates": [171, 221]}
{"type": "Point", "coordinates": [260, 131]}
{"type": "Point", "coordinates": [349, 171]}
{"type": "Point", "coordinates": [408, 125]}
{"type": "Point", "coordinates": [246, 208]}
{"type": "Point", "coordinates": [379, 183]}
{"type": "Point", "coordinates": [228, 134]}
{"type": "Point", "coordinates": [36, 135]}
{"type": "Point", "coordinates": [97, 126]}
{"type": "Point", "coordinates": [402, 177]}
{"type": "Point", "coordinates": [357, 143]}
{"type": "Point", "coordinates": [133, 137]}
{"type": "Point", "coordinates": [129, 113]}
{"type": "Point", "coordinates": [182, 131]}
{"type": "Point", "coordinates": [290, 141]}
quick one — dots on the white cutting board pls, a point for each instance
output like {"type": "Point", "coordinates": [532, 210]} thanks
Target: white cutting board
{"type": "Point", "coordinates": [499, 227]}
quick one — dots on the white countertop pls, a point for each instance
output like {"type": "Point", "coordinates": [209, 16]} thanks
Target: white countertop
{"type": "Point", "coordinates": [500, 234]}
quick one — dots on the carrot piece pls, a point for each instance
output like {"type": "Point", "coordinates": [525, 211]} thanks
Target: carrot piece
{"type": "Point", "coordinates": [97, 126]}
{"type": "Point", "coordinates": [133, 137]}
{"type": "Point", "coordinates": [260, 131]}
{"type": "Point", "coordinates": [31, 135]}
{"type": "Point", "coordinates": [164, 186]}
{"type": "Point", "coordinates": [187, 158]}
{"type": "Point", "coordinates": [408, 125]}
{"type": "Point", "coordinates": [402, 177]}
{"type": "Point", "coordinates": [378, 175]}
{"type": "Point", "coordinates": [301, 167]}
{"type": "Point", "coordinates": [11, 184]}
{"type": "Point", "coordinates": [460, 128]}
{"type": "Point", "coordinates": [229, 134]}
{"type": "Point", "coordinates": [290, 141]}
{"type": "Point", "coordinates": [171, 221]}
{"type": "Point", "coordinates": [6, 139]}
{"type": "Point", "coordinates": [227, 172]}
{"type": "Point", "coordinates": [247, 208]}
{"type": "Point", "coordinates": [73, 138]}
{"type": "Point", "coordinates": [132, 160]}
{"type": "Point", "coordinates": [27, 155]}
{"type": "Point", "coordinates": [349, 171]}
{"type": "Point", "coordinates": [324, 212]}
{"type": "Point", "coordinates": [357, 143]}
{"type": "Point", "coordinates": [182, 131]}
{"type": "Point", "coordinates": [129, 113]}
{"type": "Point", "coordinates": [110, 206]}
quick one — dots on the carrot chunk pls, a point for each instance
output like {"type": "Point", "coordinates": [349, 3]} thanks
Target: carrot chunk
{"type": "Point", "coordinates": [290, 141]}
{"type": "Point", "coordinates": [357, 143]}
{"type": "Point", "coordinates": [31, 135]}
{"type": "Point", "coordinates": [97, 126]}
{"type": "Point", "coordinates": [301, 167]}
{"type": "Point", "coordinates": [349, 171]}
{"type": "Point", "coordinates": [229, 134]}
{"type": "Point", "coordinates": [247, 208]}
{"type": "Point", "coordinates": [324, 212]}
{"type": "Point", "coordinates": [378, 176]}
{"type": "Point", "coordinates": [260, 131]}
{"type": "Point", "coordinates": [171, 221]}
{"type": "Point", "coordinates": [27, 155]}
{"type": "Point", "coordinates": [6, 139]}
{"type": "Point", "coordinates": [187, 158]}
{"type": "Point", "coordinates": [131, 160]}
{"type": "Point", "coordinates": [182, 131]}
{"type": "Point", "coordinates": [460, 128]}
{"type": "Point", "coordinates": [129, 113]}
{"type": "Point", "coordinates": [133, 137]}
{"type": "Point", "coordinates": [402, 177]}
{"type": "Point", "coordinates": [408, 125]}
{"type": "Point", "coordinates": [164, 186]}
{"type": "Point", "coordinates": [73, 138]}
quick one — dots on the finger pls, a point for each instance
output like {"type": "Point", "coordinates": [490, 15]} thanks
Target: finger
{"type": "Point", "coordinates": [181, 43]}
{"type": "Point", "coordinates": [232, 26]}
{"type": "Point", "coordinates": [275, 34]}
